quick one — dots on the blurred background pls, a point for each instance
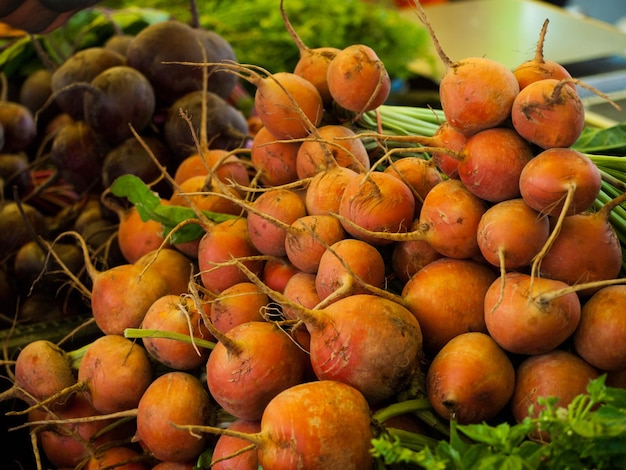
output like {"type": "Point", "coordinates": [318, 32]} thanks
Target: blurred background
{"type": "Point", "coordinates": [38, 11]}
{"type": "Point", "coordinates": [610, 11]}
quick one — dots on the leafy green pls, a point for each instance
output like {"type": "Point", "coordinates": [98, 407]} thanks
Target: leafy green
{"type": "Point", "coordinates": [256, 31]}
{"type": "Point", "coordinates": [18, 57]}
{"type": "Point", "coordinates": [150, 207]}
{"type": "Point", "coordinates": [589, 433]}
{"type": "Point", "coordinates": [610, 141]}
{"type": "Point", "coordinates": [258, 35]}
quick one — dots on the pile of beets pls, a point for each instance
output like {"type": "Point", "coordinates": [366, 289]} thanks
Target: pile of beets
{"type": "Point", "coordinates": [338, 288]}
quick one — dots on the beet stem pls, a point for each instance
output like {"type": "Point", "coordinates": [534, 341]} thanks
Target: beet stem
{"type": "Point", "coordinates": [542, 36]}
{"type": "Point", "coordinates": [421, 14]}
{"type": "Point", "coordinates": [241, 451]}
{"type": "Point", "coordinates": [136, 333]}
{"type": "Point", "coordinates": [92, 272]}
{"type": "Point", "coordinates": [418, 234]}
{"type": "Point", "coordinates": [547, 297]}
{"type": "Point", "coordinates": [195, 15]}
{"type": "Point", "coordinates": [77, 387]}
{"type": "Point", "coordinates": [85, 419]}
{"type": "Point", "coordinates": [45, 58]}
{"type": "Point", "coordinates": [205, 222]}
{"type": "Point", "coordinates": [353, 278]}
{"type": "Point", "coordinates": [612, 204]}
{"type": "Point", "coordinates": [534, 269]}
{"type": "Point", "coordinates": [311, 317]}
{"type": "Point", "coordinates": [401, 408]}
{"type": "Point", "coordinates": [250, 208]}
{"type": "Point", "coordinates": [254, 438]}
{"type": "Point", "coordinates": [302, 48]}
{"type": "Point", "coordinates": [85, 86]}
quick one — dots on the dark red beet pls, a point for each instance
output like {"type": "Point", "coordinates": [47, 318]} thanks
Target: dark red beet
{"type": "Point", "coordinates": [173, 41]}
{"type": "Point", "coordinates": [81, 67]}
{"type": "Point", "coordinates": [78, 153]}
{"type": "Point", "coordinates": [119, 43]}
{"type": "Point", "coordinates": [14, 172]}
{"type": "Point", "coordinates": [19, 126]}
{"type": "Point", "coordinates": [36, 90]}
{"type": "Point", "coordinates": [32, 264]}
{"type": "Point", "coordinates": [13, 230]}
{"type": "Point", "coordinates": [130, 157]}
{"type": "Point", "coordinates": [226, 126]}
{"type": "Point", "coordinates": [124, 98]}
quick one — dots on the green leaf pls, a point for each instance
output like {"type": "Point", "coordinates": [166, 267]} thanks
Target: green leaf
{"type": "Point", "coordinates": [501, 462]}
{"type": "Point", "coordinates": [588, 429]}
{"type": "Point", "coordinates": [456, 448]}
{"type": "Point", "coordinates": [503, 437]}
{"type": "Point", "coordinates": [456, 440]}
{"type": "Point", "coordinates": [567, 458]}
{"type": "Point", "coordinates": [597, 388]}
{"type": "Point", "coordinates": [605, 450]}
{"type": "Point", "coordinates": [532, 453]}
{"type": "Point", "coordinates": [76, 34]}
{"type": "Point", "coordinates": [150, 207]}
{"type": "Point", "coordinates": [133, 19]}
{"type": "Point", "coordinates": [588, 434]}
{"type": "Point", "coordinates": [392, 452]}
{"type": "Point", "coordinates": [137, 192]}
{"type": "Point", "coordinates": [606, 421]}
{"type": "Point", "coordinates": [14, 57]}
{"type": "Point", "coordinates": [258, 35]}
{"type": "Point", "coordinates": [476, 456]}
{"type": "Point", "coordinates": [483, 433]}
{"type": "Point", "coordinates": [611, 140]}
{"type": "Point", "coordinates": [616, 397]}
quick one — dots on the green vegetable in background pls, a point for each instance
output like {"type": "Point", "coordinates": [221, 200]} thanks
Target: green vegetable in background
{"type": "Point", "coordinates": [608, 140]}
{"type": "Point", "coordinates": [589, 434]}
{"type": "Point", "coordinates": [257, 33]}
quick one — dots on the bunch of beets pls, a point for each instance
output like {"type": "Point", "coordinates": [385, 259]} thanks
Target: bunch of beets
{"type": "Point", "coordinates": [342, 284]}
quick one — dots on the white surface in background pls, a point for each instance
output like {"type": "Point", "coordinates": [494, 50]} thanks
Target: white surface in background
{"type": "Point", "coordinates": [507, 31]}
